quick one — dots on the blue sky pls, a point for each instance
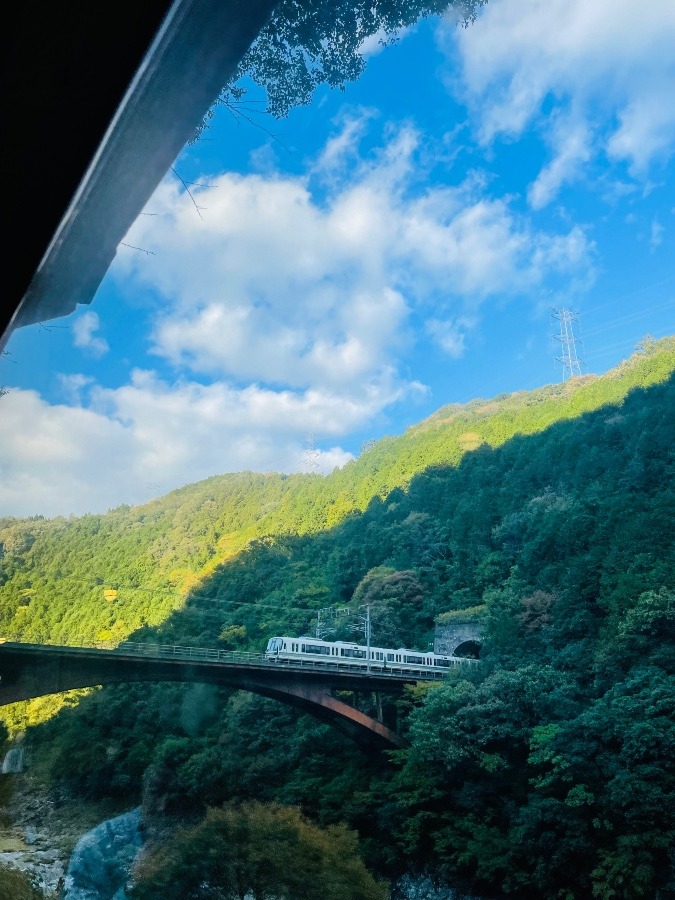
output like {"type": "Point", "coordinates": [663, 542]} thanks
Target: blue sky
{"type": "Point", "coordinates": [389, 249]}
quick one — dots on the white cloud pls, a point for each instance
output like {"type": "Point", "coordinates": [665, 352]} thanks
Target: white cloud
{"type": "Point", "coordinates": [571, 142]}
{"type": "Point", "coordinates": [605, 69]}
{"type": "Point", "coordinates": [148, 438]}
{"type": "Point", "coordinates": [84, 337]}
{"type": "Point", "coordinates": [344, 145]}
{"type": "Point", "coordinates": [298, 287]}
{"type": "Point", "coordinates": [375, 43]}
{"type": "Point", "coordinates": [73, 386]}
{"type": "Point", "coordinates": [54, 459]}
{"type": "Point", "coordinates": [656, 235]}
{"type": "Point", "coordinates": [291, 300]}
{"type": "Point", "coordinates": [451, 334]}
{"type": "Point", "coordinates": [647, 121]}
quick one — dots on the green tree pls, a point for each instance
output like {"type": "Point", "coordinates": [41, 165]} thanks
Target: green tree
{"type": "Point", "coordinates": [18, 886]}
{"type": "Point", "coordinates": [309, 42]}
{"type": "Point", "coordinates": [265, 852]}
{"type": "Point", "coordinates": [396, 602]}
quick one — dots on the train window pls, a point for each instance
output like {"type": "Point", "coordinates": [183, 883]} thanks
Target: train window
{"type": "Point", "coordinates": [316, 648]}
{"type": "Point", "coordinates": [390, 657]}
{"type": "Point", "coordinates": [357, 654]}
{"type": "Point", "coordinates": [414, 659]}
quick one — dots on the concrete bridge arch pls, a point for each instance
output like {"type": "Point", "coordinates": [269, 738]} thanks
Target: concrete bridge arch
{"type": "Point", "coordinates": [28, 671]}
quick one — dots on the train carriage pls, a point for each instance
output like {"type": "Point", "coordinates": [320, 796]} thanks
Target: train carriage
{"type": "Point", "coordinates": [343, 654]}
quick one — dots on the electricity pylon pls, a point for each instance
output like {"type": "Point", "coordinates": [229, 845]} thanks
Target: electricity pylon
{"type": "Point", "coordinates": [311, 455]}
{"type": "Point", "coordinates": [569, 358]}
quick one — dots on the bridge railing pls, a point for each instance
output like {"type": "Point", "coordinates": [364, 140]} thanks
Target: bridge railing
{"type": "Point", "coordinates": [181, 652]}
{"type": "Point", "coordinates": [175, 651]}
{"type": "Point", "coordinates": [232, 656]}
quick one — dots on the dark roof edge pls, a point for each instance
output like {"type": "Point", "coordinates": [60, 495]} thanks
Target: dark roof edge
{"type": "Point", "coordinates": [194, 54]}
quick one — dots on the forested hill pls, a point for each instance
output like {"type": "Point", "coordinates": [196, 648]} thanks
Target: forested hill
{"type": "Point", "coordinates": [546, 772]}
{"type": "Point", "coordinates": [53, 573]}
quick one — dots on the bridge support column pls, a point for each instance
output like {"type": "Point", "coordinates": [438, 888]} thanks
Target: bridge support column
{"type": "Point", "coordinates": [380, 712]}
{"type": "Point", "coordinates": [361, 728]}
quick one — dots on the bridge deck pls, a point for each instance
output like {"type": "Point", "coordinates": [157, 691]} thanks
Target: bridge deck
{"type": "Point", "coordinates": [221, 659]}
{"type": "Point", "coordinates": [34, 670]}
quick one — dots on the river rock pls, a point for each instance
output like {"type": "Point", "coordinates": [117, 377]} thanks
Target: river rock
{"type": "Point", "coordinates": [13, 763]}
{"type": "Point", "coordinates": [101, 861]}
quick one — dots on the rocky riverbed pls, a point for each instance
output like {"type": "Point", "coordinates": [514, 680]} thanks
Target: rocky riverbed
{"type": "Point", "coordinates": [36, 836]}
{"type": "Point", "coordinates": [86, 854]}
{"type": "Point", "coordinates": [28, 840]}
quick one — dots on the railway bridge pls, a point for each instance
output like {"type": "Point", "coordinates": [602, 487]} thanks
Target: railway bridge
{"type": "Point", "coordinates": [34, 670]}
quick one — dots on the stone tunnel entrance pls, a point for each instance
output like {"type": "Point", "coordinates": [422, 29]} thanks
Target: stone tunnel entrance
{"type": "Point", "coordinates": [460, 635]}
{"type": "Point", "coordinates": [468, 650]}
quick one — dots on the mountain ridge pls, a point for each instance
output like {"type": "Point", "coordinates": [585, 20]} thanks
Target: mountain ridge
{"type": "Point", "coordinates": [172, 543]}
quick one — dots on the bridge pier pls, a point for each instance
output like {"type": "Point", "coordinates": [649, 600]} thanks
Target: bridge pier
{"type": "Point", "coordinates": [361, 728]}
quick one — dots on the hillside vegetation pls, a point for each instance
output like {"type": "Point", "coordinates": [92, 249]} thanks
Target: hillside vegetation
{"type": "Point", "coordinates": [53, 573]}
{"type": "Point", "coordinates": [545, 772]}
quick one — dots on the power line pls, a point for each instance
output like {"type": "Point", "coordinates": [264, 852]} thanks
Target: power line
{"type": "Point", "coordinates": [327, 620]}
{"type": "Point", "coordinates": [635, 293]}
{"type": "Point", "coordinates": [627, 343]}
{"type": "Point", "coordinates": [242, 604]}
{"type": "Point", "coordinates": [630, 317]}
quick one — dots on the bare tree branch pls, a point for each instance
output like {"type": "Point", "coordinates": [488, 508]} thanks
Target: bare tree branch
{"type": "Point", "coordinates": [142, 250]}
{"type": "Point", "coordinates": [189, 193]}
{"type": "Point", "coordinates": [238, 113]}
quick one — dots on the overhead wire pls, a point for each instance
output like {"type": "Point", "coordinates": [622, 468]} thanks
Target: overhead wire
{"type": "Point", "coordinates": [630, 294]}
{"type": "Point", "coordinates": [190, 597]}
{"type": "Point", "coordinates": [631, 317]}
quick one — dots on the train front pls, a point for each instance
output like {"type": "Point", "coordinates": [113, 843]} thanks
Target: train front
{"type": "Point", "coordinates": [274, 646]}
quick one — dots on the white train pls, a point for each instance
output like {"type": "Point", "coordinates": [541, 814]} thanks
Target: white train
{"type": "Point", "coordinates": [342, 654]}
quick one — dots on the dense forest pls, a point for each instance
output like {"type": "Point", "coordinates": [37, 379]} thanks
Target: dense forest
{"type": "Point", "coordinates": [545, 772]}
